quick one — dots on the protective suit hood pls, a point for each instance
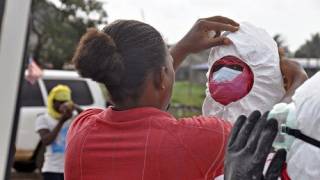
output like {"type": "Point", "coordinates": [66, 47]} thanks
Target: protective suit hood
{"type": "Point", "coordinates": [254, 47]}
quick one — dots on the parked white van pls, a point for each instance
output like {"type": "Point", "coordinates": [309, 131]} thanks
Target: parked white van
{"type": "Point", "coordinates": [86, 93]}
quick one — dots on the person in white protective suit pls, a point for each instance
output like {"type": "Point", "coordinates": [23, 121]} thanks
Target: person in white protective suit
{"type": "Point", "coordinates": [299, 134]}
{"type": "Point", "coordinates": [303, 160]}
{"type": "Point", "coordinates": [246, 75]}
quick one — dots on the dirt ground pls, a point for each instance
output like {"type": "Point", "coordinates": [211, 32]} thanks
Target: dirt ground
{"type": "Point", "coordinates": [25, 176]}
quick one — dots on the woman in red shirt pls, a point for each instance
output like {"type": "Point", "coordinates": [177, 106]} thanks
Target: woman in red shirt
{"type": "Point", "coordinates": [136, 138]}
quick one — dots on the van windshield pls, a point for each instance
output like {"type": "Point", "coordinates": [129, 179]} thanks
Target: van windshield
{"type": "Point", "coordinates": [80, 91]}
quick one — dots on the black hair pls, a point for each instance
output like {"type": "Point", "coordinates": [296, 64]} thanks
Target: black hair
{"type": "Point", "coordinates": [120, 56]}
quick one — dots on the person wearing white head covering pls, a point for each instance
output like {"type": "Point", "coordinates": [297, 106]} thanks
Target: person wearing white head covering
{"type": "Point", "coordinates": [258, 52]}
{"type": "Point", "coordinates": [303, 158]}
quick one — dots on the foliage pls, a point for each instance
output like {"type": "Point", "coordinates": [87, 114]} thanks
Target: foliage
{"type": "Point", "coordinates": [187, 99]}
{"type": "Point", "coordinates": [57, 27]}
{"type": "Point", "coordinates": [188, 94]}
{"type": "Point", "coordinates": [310, 49]}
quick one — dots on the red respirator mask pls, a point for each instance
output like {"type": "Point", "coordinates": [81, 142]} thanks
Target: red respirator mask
{"type": "Point", "coordinates": [230, 79]}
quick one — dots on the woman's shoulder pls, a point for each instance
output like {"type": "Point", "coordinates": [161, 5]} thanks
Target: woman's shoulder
{"type": "Point", "coordinates": [85, 116]}
{"type": "Point", "coordinates": [204, 122]}
{"type": "Point", "coordinates": [199, 127]}
{"type": "Point", "coordinates": [90, 112]}
{"type": "Point", "coordinates": [84, 120]}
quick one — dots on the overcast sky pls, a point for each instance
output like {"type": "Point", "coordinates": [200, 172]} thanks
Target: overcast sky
{"type": "Point", "coordinates": [296, 20]}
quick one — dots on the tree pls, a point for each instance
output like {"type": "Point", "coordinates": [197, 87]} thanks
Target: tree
{"type": "Point", "coordinates": [57, 27]}
{"type": "Point", "coordinates": [310, 49]}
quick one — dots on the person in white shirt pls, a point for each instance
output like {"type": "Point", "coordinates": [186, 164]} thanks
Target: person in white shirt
{"type": "Point", "coordinates": [52, 128]}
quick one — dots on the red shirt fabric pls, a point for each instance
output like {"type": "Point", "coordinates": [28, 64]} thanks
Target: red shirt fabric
{"type": "Point", "coordinates": [144, 144]}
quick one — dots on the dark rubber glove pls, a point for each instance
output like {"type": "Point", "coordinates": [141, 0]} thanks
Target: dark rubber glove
{"type": "Point", "coordinates": [249, 144]}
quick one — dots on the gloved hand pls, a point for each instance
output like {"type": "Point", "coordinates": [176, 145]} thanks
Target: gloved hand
{"type": "Point", "coordinates": [249, 144]}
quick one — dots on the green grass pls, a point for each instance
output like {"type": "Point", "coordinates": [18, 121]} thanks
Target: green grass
{"type": "Point", "coordinates": [188, 94]}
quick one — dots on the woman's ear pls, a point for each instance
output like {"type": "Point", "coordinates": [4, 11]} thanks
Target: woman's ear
{"type": "Point", "coordinates": [163, 77]}
{"type": "Point", "coordinates": [160, 78]}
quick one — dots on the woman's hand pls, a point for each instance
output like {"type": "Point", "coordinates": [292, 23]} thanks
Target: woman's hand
{"type": "Point", "coordinates": [199, 38]}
